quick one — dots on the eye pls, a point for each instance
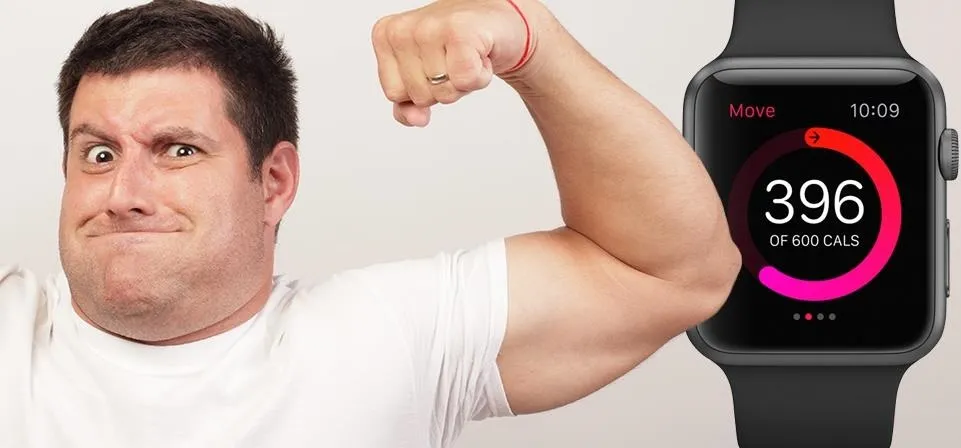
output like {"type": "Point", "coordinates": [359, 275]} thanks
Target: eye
{"type": "Point", "coordinates": [100, 154]}
{"type": "Point", "coordinates": [179, 150]}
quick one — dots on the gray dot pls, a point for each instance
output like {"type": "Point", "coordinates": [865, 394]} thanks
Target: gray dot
{"type": "Point", "coordinates": [820, 316]}
{"type": "Point", "coordinates": [797, 316]}
{"type": "Point", "coordinates": [832, 316]}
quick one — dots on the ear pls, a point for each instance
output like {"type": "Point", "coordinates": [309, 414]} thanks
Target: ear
{"type": "Point", "coordinates": [280, 176]}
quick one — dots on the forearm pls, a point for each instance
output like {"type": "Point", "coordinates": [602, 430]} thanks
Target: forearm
{"type": "Point", "coordinates": [626, 178]}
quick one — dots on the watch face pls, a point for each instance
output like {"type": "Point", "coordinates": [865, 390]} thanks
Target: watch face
{"type": "Point", "coordinates": [828, 187]}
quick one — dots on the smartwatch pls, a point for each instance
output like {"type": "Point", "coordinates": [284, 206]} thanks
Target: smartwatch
{"type": "Point", "coordinates": [828, 146]}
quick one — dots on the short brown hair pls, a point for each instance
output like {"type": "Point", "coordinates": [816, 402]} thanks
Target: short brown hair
{"type": "Point", "coordinates": [247, 56]}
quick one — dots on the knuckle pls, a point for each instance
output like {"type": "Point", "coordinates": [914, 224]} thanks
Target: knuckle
{"type": "Point", "coordinates": [398, 33]}
{"type": "Point", "coordinates": [428, 30]}
{"type": "Point", "coordinates": [447, 96]}
{"type": "Point", "coordinates": [459, 20]}
{"type": "Point", "coordinates": [468, 82]}
{"type": "Point", "coordinates": [378, 32]}
{"type": "Point", "coordinates": [396, 94]}
{"type": "Point", "coordinates": [422, 100]}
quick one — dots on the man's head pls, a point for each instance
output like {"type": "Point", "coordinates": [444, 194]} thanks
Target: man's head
{"type": "Point", "coordinates": [180, 127]}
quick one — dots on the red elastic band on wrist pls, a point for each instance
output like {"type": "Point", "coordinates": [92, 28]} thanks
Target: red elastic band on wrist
{"type": "Point", "coordinates": [527, 42]}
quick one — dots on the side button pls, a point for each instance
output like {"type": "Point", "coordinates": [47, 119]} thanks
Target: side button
{"type": "Point", "coordinates": [947, 258]}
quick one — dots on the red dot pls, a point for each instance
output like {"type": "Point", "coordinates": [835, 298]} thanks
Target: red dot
{"type": "Point", "coordinates": [808, 316]}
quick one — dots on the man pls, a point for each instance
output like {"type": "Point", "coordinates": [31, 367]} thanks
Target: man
{"type": "Point", "coordinates": [168, 326]}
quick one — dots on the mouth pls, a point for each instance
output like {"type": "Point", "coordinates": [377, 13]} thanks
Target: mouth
{"type": "Point", "coordinates": [133, 235]}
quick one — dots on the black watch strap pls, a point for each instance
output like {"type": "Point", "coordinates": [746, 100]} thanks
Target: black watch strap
{"type": "Point", "coordinates": [814, 407]}
{"type": "Point", "coordinates": [789, 28]}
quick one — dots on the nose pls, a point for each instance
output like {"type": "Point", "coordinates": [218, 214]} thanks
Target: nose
{"type": "Point", "coordinates": [131, 193]}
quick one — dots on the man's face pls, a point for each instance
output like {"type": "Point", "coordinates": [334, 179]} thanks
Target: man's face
{"type": "Point", "coordinates": [160, 214]}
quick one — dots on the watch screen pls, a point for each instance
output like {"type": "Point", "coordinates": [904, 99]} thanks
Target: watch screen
{"type": "Point", "coordinates": [828, 189]}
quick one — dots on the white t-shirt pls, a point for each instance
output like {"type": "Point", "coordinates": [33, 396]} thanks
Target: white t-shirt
{"type": "Point", "coordinates": [399, 354]}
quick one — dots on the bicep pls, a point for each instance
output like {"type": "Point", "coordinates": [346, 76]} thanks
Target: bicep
{"type": "Point", "coordinates": [579, 319]}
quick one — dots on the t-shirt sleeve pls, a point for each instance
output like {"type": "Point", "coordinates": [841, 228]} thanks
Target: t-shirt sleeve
{"type": "Point", "coordinates": [452, 312]}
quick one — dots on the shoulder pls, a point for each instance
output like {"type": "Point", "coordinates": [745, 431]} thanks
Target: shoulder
{"type": "Point", "coordinates": [416, 287]}
{"type": "Point", "coordinates": [18, 285]}
{"type": "Point", "coordinates": [439, 269]}
{"type": "Point", "coordinates": [25, 301]}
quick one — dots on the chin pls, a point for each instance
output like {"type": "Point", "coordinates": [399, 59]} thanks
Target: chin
{"type": "Point", "coordinates": [138, 288]}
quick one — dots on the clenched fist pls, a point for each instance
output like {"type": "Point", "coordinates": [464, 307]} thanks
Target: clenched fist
{"type": "Point", "coordinates": [445, 50]}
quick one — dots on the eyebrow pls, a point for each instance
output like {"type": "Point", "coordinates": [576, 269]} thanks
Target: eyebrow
{"type": "Point", "coordinates": [174, 134]}
{"type": "Point", "coordinates": [88, 129]}
{"type": "Point", "coordinates": [170, 134]}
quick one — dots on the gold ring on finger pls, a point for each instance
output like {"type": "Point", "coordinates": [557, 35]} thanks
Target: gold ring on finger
{"type": "Point", "coordinates": [438, 79]}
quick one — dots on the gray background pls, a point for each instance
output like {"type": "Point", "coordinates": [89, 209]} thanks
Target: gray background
{"type": "Point", "coordinates": [372, 190]}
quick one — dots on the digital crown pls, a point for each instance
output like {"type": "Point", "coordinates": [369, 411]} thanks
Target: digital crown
{"type": "Point", "coordinates": [949, 154]}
